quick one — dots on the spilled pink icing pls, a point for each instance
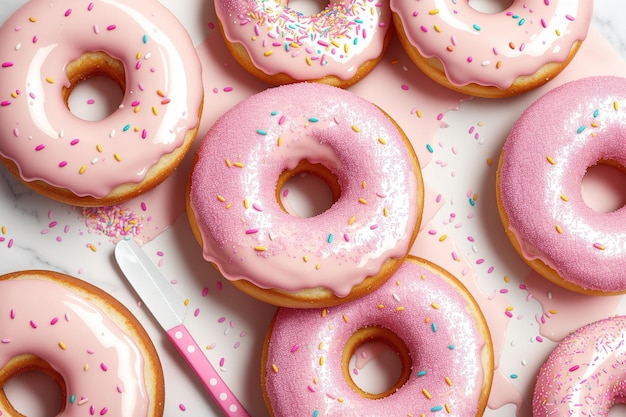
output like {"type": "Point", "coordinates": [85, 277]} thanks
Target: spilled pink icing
{"type": "Point", "coordinates": [280, 39]}
{"type": "Point", "coordinates": [493, 49]}
{"type": "Point", "coordinates": [304, 363]}
{"type": "Point", "coordinates": [248, 235]}
{"type": "Point", "coordinates": [584, 375]}
{"type": "Point", "coordinates": [160, 104]}
{"type": "Point", "coordinates": [546, 155]}
{"type": "Point", "coordinates": [101, 366]}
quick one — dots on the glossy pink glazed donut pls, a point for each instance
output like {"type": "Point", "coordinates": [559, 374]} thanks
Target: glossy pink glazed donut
{"type": "Point", "coordinates": [542, 165]}
{"type": "Point", "coordinates": [47, 48]}
{"type": "Point", "coordinates": [327, 259]}
{"type": "Point", "coordinates": [585, 374]}
{"type": "Point", "coordinates": [492, 54]}
{"type": "Point", "coordinates": [422, 312]}
{"type": "Point", "coordinates": [86, 341]}
{"type": "Point", "coordinates": [339, 45]}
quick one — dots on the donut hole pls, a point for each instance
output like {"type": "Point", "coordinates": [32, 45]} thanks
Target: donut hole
{"type": "Point", "coordinates": [387, 358]}
{"type": "Point", "coordinates": [603, 186]}
{"type": "Point", "coordinates": [307, 190]}
{"type": "Point", "coordinates": [32, 388]}
{"type": "Point", "coordinates": [308, 7]}
{"type": "Point", "coordinates": [97, 85]}
{"type": "Point", "coordinates": [490, 6]}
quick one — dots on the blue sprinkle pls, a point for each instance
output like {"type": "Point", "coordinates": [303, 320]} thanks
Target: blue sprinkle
{"type": "Point", "coordinates": [581, 129]}
{"type": "Point", "coordinates": [513, 376]}
{"type": "Point", "coordinates": [476, 27]}
{"type": "Point", "coordinates": [125, 128]}
{"type": "Point", "coordinates": [274, 113]}
{"type": "Point", "coordinates": [145, 38]}
{"type": "Point", "coordinates": [421, 373]}
{"type": "Point", "coordinates": [472, 202]}
{"type": "Point", "coordinates": [72, 399]}
{"type": "Point", "coordinates": [358, 20]}
{"type": "Point", "coordinates": [430, 148]}
{"type": "Point", "coordinates": [261, 132]}
{"type": "Point", "coordinates": [313, 119]}
{"type": "Point", "coordinates": [437, 408]}
{"type": "Point", "coordinates": [434, 327]}
{"type": "Point", "coordinates": [521, 22]}
{"type": "Point", "coordinates": [451, 347]}
{"type": "Point", "coordinates": [316, 413]}
{"type": "Point", "coordinates": [330, 238]}
{"type": "Point", "coordinates": [596, 112]}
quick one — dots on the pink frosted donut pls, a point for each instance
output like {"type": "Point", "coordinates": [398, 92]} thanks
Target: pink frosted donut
{"type": "Point", "coordinates": [585, 374]}
{"type": "Point", "coordinates": [542, 164]}
{"type": "Point", "coordinates": [47, 48]}
{"type": "Point", "coordinates": [327, 259]}
{"type": "Point", "coordinates": [423, 313]}
{"type": "Point", "coordinates": [492, 54]}
{"type": "Point", "coordinates": [339, 45]}
{"type": "Point", "coordinates": [87, 342]}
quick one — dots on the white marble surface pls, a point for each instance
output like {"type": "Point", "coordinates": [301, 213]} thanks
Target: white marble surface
{"type": "Point", "coordinates": [39, 233]}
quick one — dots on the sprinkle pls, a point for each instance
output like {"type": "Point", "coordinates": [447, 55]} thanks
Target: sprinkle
{"type": "Point", "coordinates": [275, 368]}
{"type": "Point", "coordinates": [574, 368]}
{"type": "Point", "coordinates": [559, 229]}
{"type": "Point", "coordinates": [111, 27]}
{"type": "Point", "coordinates": [104, 366]}
{"type": "Point", "coordinates": [68, 12]}
{"type": "Point", "coordinates": [616, 105]}
{"type": "Point", "coordinates": [32, 323]}
{"type": "Point", "coordinates": [426, 393]}
{"type": "Point", "coordinates": [49, 80]}
{"type": "Point", "coordinates": [260, 248]}
{"type": "Point", "coordinates": [62, 345]}
{"type": "Point", "coordinates": [362, 200]}
{"type": "Point", "coordinates": [599, 246]}
{"type": "Point", "coordinates": [356, 128]}
{"type": "Point", "coordinates": [550, 159]}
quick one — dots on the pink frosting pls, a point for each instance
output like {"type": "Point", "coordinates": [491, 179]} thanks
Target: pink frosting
{"type": "Point", "coordinates": [304, 359]}
{"type": "Point", "coordinates": [233, 190]}
{"type": "Point", "coordinates": [101, 367]}
{"type": "Point", "coordinates": [161, 101]}
{"type": "Point", "coordinates": [585, 375]}
{"type": "Point", "coordinates": [279, 39]}
{"type": "Point", "coordinates": [493, 49]}
{"type": "Point", "coordinates": [544, 161]}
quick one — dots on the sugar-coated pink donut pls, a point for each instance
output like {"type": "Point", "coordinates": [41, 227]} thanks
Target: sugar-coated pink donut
{"type": "Point", "coordinates": [161, 79]}
{"type": "Point", "coordinates": [468, 49]}
{"type": "Point", "coordinates": [450, 355]}
{"type": "Point", "coordinates": [246, 233]}
{"type": "Point", "coordinates": [339, 45]}
{"type": "Point", "coordinates": [585, 375]}
{"type": "Point", "coordinates": [542, 165]}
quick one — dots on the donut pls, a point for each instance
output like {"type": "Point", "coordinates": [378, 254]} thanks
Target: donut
{"type": "Point", "coordinates": [278, 44]}
{"type": "Point", "coordinates": [541, 168]}
{"type": "Point", "coordinates": [47, 49]}
{"type": "Point", "coordinates": [584, 374]}
{"type": "Point", "coordinates": [492, 55]}
{"type": "Point", "coordinates": [423, 313]}
{"type": "Point", "coordinates": [281, 258]}
{"type": "Point", "coordinates": [86, 341]}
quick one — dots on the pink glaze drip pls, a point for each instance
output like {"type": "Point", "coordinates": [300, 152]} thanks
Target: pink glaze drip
{"type": "Point", "coordinates": [493, 49]}
{"type": "Point", "coordinates": [584, 375]}
{"type": "Point", "coordinates": [102, 368]}
{"type": "Point", "coordinates": [425, 310]}
{"type": "Point", "coordinates": [241, 159]}
{"type": "Point", "coordinates": [544, 160]}
{"type": "Point", "coordinates": [279, 39]}
{"type": "Point", "coordinates": [161, 101]}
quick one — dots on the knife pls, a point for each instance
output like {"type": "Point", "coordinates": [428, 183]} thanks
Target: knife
{"type": "Point", "coordinates": [169, 310]}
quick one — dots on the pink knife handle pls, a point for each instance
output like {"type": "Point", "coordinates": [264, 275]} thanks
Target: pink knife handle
{"type": "Point", "coordinates": [223, 396]}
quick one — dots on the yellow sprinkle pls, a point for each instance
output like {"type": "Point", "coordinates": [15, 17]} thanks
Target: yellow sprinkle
{"type": "Point", "coordinates": [489, 162]}
{"type": "Point", "coordinates": [386, 212]}
{"type": "Point", "coordinates": [434, 305]}
{"type": "Point", "coordinates": [50, 80]}
{"type": "Point", "coordinates": [400, 308]}
{"type": "Point", "coordinates": [228, 163]}
{"type": "Point", "coordinates": [382, 141]}
{"type": "Point", "coordinates": [616, 105]}
{"type": "Point", "coordinates": [117, 157]}
{"type": "Point", "coordinates": [448, 381]}
{"type": "Point", "coordinates": [268, 53]}
{"type": "Point", "coordinates": [506, 278]}
{"type": "Point", "coordinates": [550, 159]}
{"type": "Point", "coordinates": [509, 308]}
{"type": "Point", "coordinates": [595, 124]}
{"type": "Point", "coordinates": [32, 19]}
{"type": "Point", "coordinates": [4, 230]}
{"type": "Point", "coordinates": [427, 320]}
{"type": "Point", "coordinates": [423, 277]}
{"type": "Point", "coordinates": [381, 306]}
{"type": "Point", "coordinates": [443, 237]}
{"type": "Point", "coordinates": [62, 345]}
{"type": "Point", "coordinates": [320, 346]}
{"type": "Point", "coordinates": [260, 248]}
{"type": "Point", "coordinates": [340, 399]}
{"type": "Point", "coordinates": [356, 128]}
{"type": "Point", "coordinates": [324, 312]}
{"type": "Point", "coordinates": [160, 93]}
{"type": "Point", "coordinates": [552, 311]}
{"type": "Point", "coordinates": [136, 109]}
{"type": "Point", "coordinates": [13, 94]}
{"type": "Point", "coordinates": [426, 393]}
{"type": "Point", "coordinates": [364, 184]}
{"type": "Point", "coordinates": [318, 266]}
{"type": "Point", "coordinates": [345, 318]}
{"type": "Point", "coordinates": [558, 32]}
{"type": "Point", "coordinates": [362, 200]}
{"type": "Point", "coordinates": [448, 409]}
{"type": "Point", "coordinates": [498, 64]}
{"type": "Point", "coordinates": [352, 220]}
{"type": "Point", "coordinates": [564, 197]}
{"type": "Point", "coordinates": [335, 43]}
{"type": "Point", "coordinates": [86, 367]}
{"type": "Point", "coordinates": [275, 368]}
{"type": "Point", "coordinates": [245, 203]}
{"type": "Point", "coordinates": [345, 48]}
{"type": "Point", "coordinates": [305, 258]}
{"type": "Point", "coordinates": [559, 229]}
{"type": "Point", "coordinates": [138, 56]}
{"type": "Point", "coordinates": [221, 198]}
{"type": "Point", "coordinates": [434, 11]}
{"type": "Point", "coordinates": [186, 302]}
{"type": "Point", "coordinates": [321, 361]}
{"type": "Point", "coordinates": [155, 111]}
{"type": "Point", "coordinates": [92, 247]}
{"type": "Point", "coordinates": [99, 148]}
{"type": "Point", "coordinates": [228, 205]}
{"type": "Point", "coordinates": [419, 114]}
{"type": "Point", "coordinates": [279, 141]}
{"type": "Point", "coordinates": [309, 62]}
{"type": "Point", "coordinates": [437, 28]}
{"type": "Point", "coordinates": [82, 169]}
{"type": "Point", "coordinates": [238, 164]}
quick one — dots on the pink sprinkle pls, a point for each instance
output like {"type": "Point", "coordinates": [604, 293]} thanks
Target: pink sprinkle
{"type": "Point", "coordinates": [471, 238]}
{"type": "Point", "coordinates": [35, 39]}
{"type": "Point", "coordinates": [470, 59]}
{"type": "Point", "coordinates": [346, 237]}
{"type": "Point", "coordinates": [228, 89]}
{"type": "Point", "coordinates": [440, 116]}
{"type": "Point", "coordinates": [144, 134]}
{"type": "Point", "coordinates": [104, 367]}
{"type": "Point", "coordinates": [5, 341]}
{"type": "Point", "coordinates": [90, 7]}
{"type": "Point", "coordinates": [103, 411]}
{"type": "Point", "coordinates": [221, 362]}
{"type": "Point", "coordinates": [424, 29]}
{"type": "Point", "coordinates": [570, 17]}
{"type": "Point", "coordinates": [539, 339]}
{"type": "Point", "coordinates": [237, 344]}
{"type": "Point", "coordinates": [62, 164]}
{"type": "Point", "coordinates": [573, 368]}
{"type": "Point", "coordinates": [12, 315]}
{"type": "Point", "coordinates": [285, 192]}
{"type": "Point", "coordinates": [480, 261]}
{"type": "Point", "coordinates": [7, 64]}
{"type": "Point", "coordinates": [182, 407]}
{"type": "Point", "coordinates": [504, 291]}
{"type": "Point", "coordinates": [111, 27]}
{"type": "Point", "coordinates": [205, 291]}
{"type": "Point", "coordinates": [257, 207]}
{"type": "Point", "coordinates": [221, 320]}
{"type": "Point", "coordinates": [10, 244]}
{"type": "Point", "coordinates": [33, 324]}
{"type": "Point", "coordinates": [490, 270]}
{"type": "Point", "coordinates": [74, 141]}
{"type": "Point", "coordinates": [143, 206]}
{"type": "Point", "coordinates": [251, 231]}
{"type": "Point", "coordinates": [5, 103]}
{"type": "Point", "coordinates": [138, 65]}
{"type": "Point", "coordinates": [311, 388]}
{"type": "Point", "coordinates": [91, 101]}
{"type": "Point", "coordinates": [404, 87]}
{"type": "Point", "coordinates": [16, 132]}
{"type": "Point", "coordinates": [508, 314]}
{"type": "Point", "coordinates": [68, 12]}
{"type": "Point", "coordinates": [294, 348]}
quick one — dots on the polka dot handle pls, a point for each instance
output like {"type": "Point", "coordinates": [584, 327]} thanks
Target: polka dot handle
{"type": "Point", "coordinates": [223, 396]}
